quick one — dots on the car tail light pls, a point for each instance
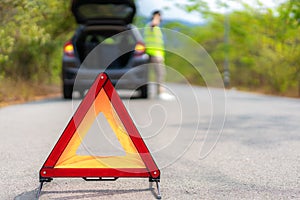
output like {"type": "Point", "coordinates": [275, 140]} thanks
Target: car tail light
{"type": "Point", "coordinates": [140, 48]}
{"type": "Point", "coordinates": [69, 49]}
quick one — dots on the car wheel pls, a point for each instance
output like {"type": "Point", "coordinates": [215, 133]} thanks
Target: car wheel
{"type": "Point", "coordinates": [68, 91]}
{"type": "Point", "coordinates": [144, 91]}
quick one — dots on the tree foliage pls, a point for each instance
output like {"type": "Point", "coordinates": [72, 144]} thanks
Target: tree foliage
{"type": "Point", "coordinates": [264, 50]}
{"type": "Point", "coordinates": [30, 37]}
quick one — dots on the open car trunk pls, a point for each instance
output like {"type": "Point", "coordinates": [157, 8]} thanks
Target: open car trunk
{"type": "Point", "coordinates": [103, 11]}
{"type": "Point", "coordinates": [102, 19]}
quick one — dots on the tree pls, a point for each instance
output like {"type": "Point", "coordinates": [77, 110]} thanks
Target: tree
{"type": "Point", "coordinates": [290, 16]}
{"type": "Point", "coordinates": [31, 33]}
{"type": "Point", "coordinates": [263, 46]}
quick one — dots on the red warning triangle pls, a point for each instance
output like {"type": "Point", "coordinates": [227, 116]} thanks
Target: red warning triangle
{"type": "Point", "coordinates": [63, 161]}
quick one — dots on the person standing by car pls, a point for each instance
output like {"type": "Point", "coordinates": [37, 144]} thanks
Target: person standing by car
{"type": "Point", "coordinates": [154, 42]}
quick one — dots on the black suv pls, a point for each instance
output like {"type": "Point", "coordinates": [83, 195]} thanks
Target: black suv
{"type": "Point", "coordinates": [104, 41]}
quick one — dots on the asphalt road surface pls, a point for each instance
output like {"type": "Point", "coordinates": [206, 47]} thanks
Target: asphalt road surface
{"type": "Point", "coordinates": [208, 146]}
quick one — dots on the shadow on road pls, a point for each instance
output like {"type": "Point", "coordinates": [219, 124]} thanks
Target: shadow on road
{"type": "Point", "coordinates": [27, 195]}
{"type": "Point", "coordinates": [77, 194]}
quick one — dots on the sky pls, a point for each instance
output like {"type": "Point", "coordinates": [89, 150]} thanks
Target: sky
{"type": "Point", "coordinates": [145, 8]}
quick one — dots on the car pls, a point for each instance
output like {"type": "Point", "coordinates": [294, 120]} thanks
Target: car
{"type": "Point", "coordinates": [104, 41]}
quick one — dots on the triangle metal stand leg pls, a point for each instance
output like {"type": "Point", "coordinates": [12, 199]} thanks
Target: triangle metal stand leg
{"type": "Point", "coordinates": [42, 181]}
{"type": "Point", "coordinates": [39, 190]}
{"type": "Point", "coordinates": [157, 194]}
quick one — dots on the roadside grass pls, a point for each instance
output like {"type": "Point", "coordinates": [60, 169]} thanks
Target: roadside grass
{"type": "Point", "coordinates": [19, 91]}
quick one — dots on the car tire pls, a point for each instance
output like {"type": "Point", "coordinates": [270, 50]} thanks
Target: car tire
{"type": "Point", "coordinates": [144, 91]}
{"type": "Point", "coordinates": [67, 91]}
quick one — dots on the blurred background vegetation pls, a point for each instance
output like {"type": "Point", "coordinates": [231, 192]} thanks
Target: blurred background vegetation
{"type": "Point", "coordinates": [263, 48]}
{"type": "Point", "coordinates": [32, 34]}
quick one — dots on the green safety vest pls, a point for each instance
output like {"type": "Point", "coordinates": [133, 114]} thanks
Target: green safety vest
{"type": "Point", "coordinates": [154, 42]}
